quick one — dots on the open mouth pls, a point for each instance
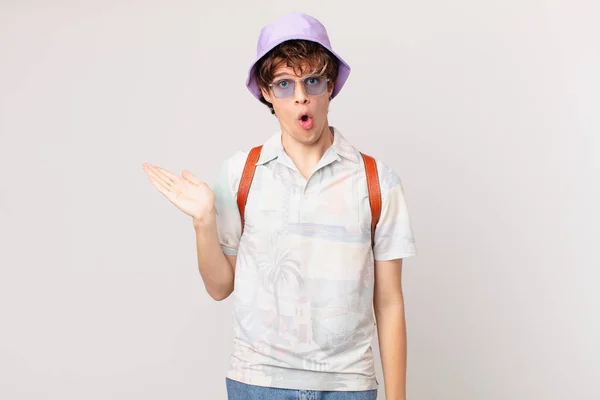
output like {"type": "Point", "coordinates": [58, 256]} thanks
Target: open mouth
{"type": "Point", "coordinates": [305, 121]}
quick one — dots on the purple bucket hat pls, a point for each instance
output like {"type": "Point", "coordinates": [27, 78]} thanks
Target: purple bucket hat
{"type": "Point", "coordinates": [294, 26]}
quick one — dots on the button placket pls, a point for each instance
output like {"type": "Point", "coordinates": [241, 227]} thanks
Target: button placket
{"type": "Point", "coordinates": [302, 199]}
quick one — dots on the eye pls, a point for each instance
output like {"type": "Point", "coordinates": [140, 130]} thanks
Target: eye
{"type": "Point", "coordinates": [282, 83]}
{"type": "Point", "coordinates": [313, 80]}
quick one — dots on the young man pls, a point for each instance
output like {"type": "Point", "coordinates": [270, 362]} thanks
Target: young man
{"type": "Point", "coordinates": [306, 273]}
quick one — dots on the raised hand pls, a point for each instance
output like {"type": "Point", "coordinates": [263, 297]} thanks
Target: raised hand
{"type": "Point", "coordinates": [188, 193]}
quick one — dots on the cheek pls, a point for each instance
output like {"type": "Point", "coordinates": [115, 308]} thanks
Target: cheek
{"type": "Point", "coordinates": [277, 106]}
{"type": "Point", "coordinates": [323, 105]}
{"type": "Point", "coordinates": [283, 110]}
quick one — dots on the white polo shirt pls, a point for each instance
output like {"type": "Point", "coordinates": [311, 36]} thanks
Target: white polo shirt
{"type": "Point", "coordinates": [303, 297]}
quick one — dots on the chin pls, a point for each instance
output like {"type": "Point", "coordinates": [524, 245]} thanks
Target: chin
{"type": "Point", "coordinates": [310, 135]}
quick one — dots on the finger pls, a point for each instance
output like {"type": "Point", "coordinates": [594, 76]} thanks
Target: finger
{"type": "Point", "coordinates": [168, 175]}
{"type": "Point", "coordinates": [160, 174]}
{"type": "Point", "coordinates": [159, 185]}
{"type": "Point", "coordinates": [160, 177]}
{"type": "Point", "coordinates": [190, 177]}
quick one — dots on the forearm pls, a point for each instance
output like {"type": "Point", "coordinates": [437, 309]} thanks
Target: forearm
{"type": "Point", "coordinates": [391, 331]}
{"type": "Point", "coordinates": [214, 267]}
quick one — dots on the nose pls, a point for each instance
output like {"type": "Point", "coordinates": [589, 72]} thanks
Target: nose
{"type": "Point", "coordinates": [300, 95]}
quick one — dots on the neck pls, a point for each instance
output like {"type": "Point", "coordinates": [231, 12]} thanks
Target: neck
{"type": "Point", "coordinates": [307, 154]}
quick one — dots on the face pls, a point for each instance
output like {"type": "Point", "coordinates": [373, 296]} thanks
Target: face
{"type": "Point", "coordinates": [302, 115]}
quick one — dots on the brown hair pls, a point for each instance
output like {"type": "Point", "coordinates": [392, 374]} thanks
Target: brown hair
{"type": "Point", "coordinates": [303, 56]}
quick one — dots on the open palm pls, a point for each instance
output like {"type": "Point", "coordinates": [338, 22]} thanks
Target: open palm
{"type": "Point", "coordinates": [188, 193]}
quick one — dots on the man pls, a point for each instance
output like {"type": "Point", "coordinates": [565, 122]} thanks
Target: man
{"type": "Point", "coordinates": [307, 276]}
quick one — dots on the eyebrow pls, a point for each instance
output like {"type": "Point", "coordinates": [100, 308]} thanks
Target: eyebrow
{"type": "Point", "coordinates": [277, 75]}
{"type": "Point", "coordinates": [281, 74]}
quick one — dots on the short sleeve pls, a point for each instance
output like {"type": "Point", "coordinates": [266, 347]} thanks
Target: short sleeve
{"type": "Point", "coordinates": [229, 226]}
{"type": "Point", "coordinates": [394, 236]}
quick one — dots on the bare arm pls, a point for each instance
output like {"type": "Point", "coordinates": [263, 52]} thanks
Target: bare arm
{"type": "Point", "coordinates": [196, 199]}
{"type": "Point", "coordinates": [388, 302]}
{"type": "Point", "coordinates": [217, 269]}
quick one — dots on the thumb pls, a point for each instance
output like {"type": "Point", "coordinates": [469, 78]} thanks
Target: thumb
{"type": "Point", "coordinates": [190, 177]}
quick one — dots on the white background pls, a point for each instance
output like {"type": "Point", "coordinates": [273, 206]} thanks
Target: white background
{"type": "Point", "coordinates": [487, 110]}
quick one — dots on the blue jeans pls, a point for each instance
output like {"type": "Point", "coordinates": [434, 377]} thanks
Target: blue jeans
{"type": "Point", "coordinates": [243, 391]}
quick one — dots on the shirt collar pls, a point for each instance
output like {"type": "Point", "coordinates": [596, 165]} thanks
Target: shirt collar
{"type": "Point", "coordinates": [273, 148]}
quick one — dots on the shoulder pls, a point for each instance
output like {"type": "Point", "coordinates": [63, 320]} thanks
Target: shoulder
{"type": "Point", "coordinates": [231, 170]}
{"type": "Point", "coordinates": [388, 178]}
{"type": "Point", "coordinates": [235, 162]}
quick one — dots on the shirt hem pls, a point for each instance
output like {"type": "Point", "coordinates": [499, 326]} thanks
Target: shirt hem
{"type": "Point", "coordinates": [393, 255]}
{"type": "Point", "coordinates": [259, 380]}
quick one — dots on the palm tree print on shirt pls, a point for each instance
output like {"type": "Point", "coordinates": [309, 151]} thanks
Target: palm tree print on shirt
{"type": "Point", "coordinates": [277, 268]}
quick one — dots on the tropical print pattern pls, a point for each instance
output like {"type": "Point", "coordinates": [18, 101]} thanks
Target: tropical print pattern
{"type": "Point", "coordinates": [303, 298]}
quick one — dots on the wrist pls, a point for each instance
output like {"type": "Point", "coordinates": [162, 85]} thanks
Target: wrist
{"type": "Point", "coordinates": [204, 221]}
